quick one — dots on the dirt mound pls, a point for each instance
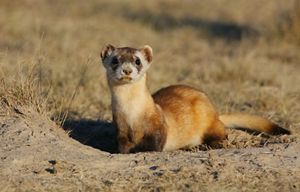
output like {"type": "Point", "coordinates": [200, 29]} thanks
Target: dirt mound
{"type": "Point", "coordinates": [37, 155]}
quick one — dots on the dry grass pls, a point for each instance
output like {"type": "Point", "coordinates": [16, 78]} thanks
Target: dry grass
{"type": "Point", "coordinates": [49, 53]}
{"type": "Point", "coordinates": [243, 54]}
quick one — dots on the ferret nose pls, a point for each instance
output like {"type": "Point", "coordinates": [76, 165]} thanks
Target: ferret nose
{"type": "Point", "coordinates": [127, 71]}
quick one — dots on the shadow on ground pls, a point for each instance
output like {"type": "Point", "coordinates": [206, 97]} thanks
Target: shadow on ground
{"type": "Point", "coordinates": [95, 133]}
{"type": "Point", "coordinates": [228, 31]}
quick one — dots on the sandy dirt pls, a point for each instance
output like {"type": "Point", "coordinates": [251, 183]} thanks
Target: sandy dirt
{"type": "Point", "coordinates": [37, 155]}
{"type": "Point", "coordinates": [243, 54]}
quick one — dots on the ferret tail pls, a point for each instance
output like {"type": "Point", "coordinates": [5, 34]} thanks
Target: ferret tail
{"type": "Point", "coordinates": [252, 123]}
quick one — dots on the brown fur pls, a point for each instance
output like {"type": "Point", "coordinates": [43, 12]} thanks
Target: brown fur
{"type": "Point", "coordinates": [151, 138]}
{"type": "Point", "coordinates": [190, 116]}
{"type": "Point", "coordinates": [174, 117]}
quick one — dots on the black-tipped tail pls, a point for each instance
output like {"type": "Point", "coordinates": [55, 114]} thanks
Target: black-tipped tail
{"type": "Point", "coordinates": [277, 130]}
{"type": "Point", "coordinates": [253, 123]}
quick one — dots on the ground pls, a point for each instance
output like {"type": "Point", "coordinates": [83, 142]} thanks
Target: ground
{"type": "Point", "coordinates": [55, 120]}
{"type": "Point", "coordinates": [38, 156]}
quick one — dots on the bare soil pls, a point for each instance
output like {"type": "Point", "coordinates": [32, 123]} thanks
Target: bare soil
{"type": "Point", "coordinates": [37, 155]}
{"type": "Point", "coordinates": [243, 54]}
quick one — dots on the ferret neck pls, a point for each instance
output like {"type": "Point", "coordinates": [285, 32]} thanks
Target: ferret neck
{"type": "Point", "coordinates": [133, 97]}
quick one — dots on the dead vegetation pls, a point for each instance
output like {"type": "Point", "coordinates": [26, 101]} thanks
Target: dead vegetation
{"type": "Point", "coordinates": [243, 54]}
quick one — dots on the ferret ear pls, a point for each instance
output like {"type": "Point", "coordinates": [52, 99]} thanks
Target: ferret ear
{"type": "Point", "coordinates": [147, 51]}
{"type": "Point", "coordinates": [106, 51]}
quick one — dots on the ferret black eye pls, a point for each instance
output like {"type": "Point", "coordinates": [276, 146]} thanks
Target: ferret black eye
{"type": "Point", "coordinates": [138, 61]}
{"type": "Point", "coordinates": [115, 61]}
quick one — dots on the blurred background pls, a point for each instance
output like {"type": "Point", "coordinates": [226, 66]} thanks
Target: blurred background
{"type": "Point", "coordinates": [243, 54]}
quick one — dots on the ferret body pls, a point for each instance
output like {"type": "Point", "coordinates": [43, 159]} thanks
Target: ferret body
{"type": "Point", "coordinates": [174, 117]}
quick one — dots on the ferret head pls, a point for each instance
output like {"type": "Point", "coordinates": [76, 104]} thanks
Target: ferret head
{"type": "Point", "coordinates": [125, 64]}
